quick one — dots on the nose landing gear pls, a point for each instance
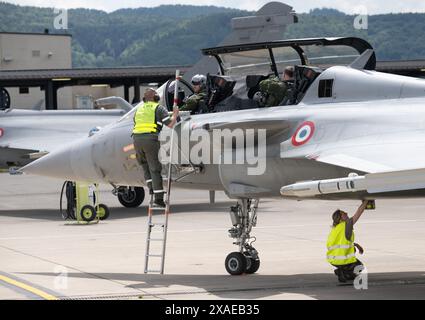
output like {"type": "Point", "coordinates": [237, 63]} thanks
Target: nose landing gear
{"type": "Point", "coordinates": [130, 197]}
{"type": "Point", "coordinates": [244, 218]}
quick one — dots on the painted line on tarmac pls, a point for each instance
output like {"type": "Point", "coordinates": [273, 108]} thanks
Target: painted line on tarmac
{"type": "Point", "coordinates": [20, 286]}
{"type": "Point", "coordinates": [93, 275]}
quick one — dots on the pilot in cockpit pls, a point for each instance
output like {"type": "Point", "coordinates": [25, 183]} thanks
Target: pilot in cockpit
{"type": "Point", "coordinates": [274, 91]}
{"type": "Point", "coordinates": [288, 79]}
{"type": "Point", "coordinates": [288, 74]}
{"type": "Point", "coordinates": [196, 102]}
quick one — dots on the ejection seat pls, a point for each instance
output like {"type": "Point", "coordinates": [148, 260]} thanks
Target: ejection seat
{"type": "Point", "coordinates": [304, 76]}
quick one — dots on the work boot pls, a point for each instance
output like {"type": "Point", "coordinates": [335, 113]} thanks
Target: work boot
{"type": "Point", "coordinates": [159, 203]}
{"type": "Point", "coordinates": [340, 275]}
{"type": "Point", "coordinates": [351, 276]}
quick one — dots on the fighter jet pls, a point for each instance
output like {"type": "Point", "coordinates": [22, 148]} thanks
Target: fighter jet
{"type": "Point", "coordinates": [346, 132]}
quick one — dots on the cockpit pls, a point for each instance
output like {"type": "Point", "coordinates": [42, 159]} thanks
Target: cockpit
{"type": "Point", "coordinates": [244, 66]}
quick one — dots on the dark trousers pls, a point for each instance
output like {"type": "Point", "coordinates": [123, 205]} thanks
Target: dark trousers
{"type": "Point", "coordinates": [348, 269]}
{"type": "Point", "coordinates": [147, 147]}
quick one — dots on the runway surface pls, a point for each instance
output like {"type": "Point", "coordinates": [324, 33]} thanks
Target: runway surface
{"type": "Point", "coordinates": [41, 257]}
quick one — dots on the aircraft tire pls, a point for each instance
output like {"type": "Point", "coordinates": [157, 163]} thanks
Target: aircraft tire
{"type": "Point", "coordinates": [4, 99]}
{"type": "Point", "coordinates": [252, 265]}
{"type": "Point", "coordinates": [132, 198]}
{"type": "Point", "coordinates": [235, 263]}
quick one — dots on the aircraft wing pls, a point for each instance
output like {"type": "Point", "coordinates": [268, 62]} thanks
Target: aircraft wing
{"type": "Point", "coordinates": [22, 149]}
{"type": "Point", "coordinates": [43, 141]}
{"type": "Point", "coordinates": [28, 135]}
{"type": "Point", "coordinates": [369, 154]}
{"type": "Point", "coordinates": [378, 157]}
{"type": "Point", "coordinates": [390, 163]}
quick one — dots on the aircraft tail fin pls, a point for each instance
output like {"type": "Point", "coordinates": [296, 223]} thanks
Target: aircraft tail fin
{"type": "Point", "coordinates": [268, 24]}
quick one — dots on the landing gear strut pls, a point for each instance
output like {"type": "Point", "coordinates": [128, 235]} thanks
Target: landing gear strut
{"type": "Point", "coordinates": [244, 217]}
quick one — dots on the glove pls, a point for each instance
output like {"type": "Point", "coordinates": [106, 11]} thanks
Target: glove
{"type": "Point", "coordinates": [359, 247]}
{"type": "Point", "coordinates": [260, 97]}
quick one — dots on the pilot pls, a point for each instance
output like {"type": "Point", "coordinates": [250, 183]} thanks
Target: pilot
{"type": "Point", "coordinates": [341, 246]}
{"type": "Point", "coordinates": [196, 102]}
{"type": "Point", "coordinates": [288, 79]}
{"type": "Point", "coordinates": [148, 121]}
{"type": "Point", "coordinates": [288, 74]}
{"type": "Point", "coordinates": [273, 91]}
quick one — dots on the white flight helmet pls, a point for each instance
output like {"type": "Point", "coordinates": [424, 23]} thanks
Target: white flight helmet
{"type": "Point", "coordinates": [199, 79]}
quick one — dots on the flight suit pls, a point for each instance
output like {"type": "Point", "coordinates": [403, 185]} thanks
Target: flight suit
{"type": "Point", "coordinates": [274, 91]}
{"type": "Point", "coordinates": [195, 103]}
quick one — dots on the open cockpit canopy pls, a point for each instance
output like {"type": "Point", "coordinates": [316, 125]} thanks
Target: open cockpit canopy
{"type": "Point", "coordinates": [274, 56]}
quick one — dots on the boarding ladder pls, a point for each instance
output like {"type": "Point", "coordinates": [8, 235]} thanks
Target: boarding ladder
{"type": "Point", "coordinates": [152, 210]}
{"type": "Point", "coordinates": [163, 223]}
{"type": "Point", "coordinates": [153, 213]}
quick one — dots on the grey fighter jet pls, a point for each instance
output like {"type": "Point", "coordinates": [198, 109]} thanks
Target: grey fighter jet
{"type": "Point", "coordinates": [345, 131]}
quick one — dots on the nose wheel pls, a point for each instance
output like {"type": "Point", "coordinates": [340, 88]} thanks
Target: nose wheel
{"type": "Point", "coordinates": [252, 264]}
{"type": "Point", "coordinates": [236, 263]}
{"type": "Point", "coordinates": [239, 263]}
{"type": "Point", "coordinates": [244, 218]}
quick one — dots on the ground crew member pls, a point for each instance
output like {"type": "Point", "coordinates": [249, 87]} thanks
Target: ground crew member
{"type": "Point", "coordinates": [196, 102]}
{"type": "Point", "coordinates": [148, 121]}
{"type": "Point", "coordinates": [341, 246]}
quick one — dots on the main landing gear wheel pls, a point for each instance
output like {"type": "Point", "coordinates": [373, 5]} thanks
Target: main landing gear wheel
{"type": "Point", "coordinates": [244, 218]}
{"type": "Point", "coordinates": [236, 263]}
{"type": "Point", "coordinates": [4, 99]}
{"type": "Point", "coordinates": [131, 197]}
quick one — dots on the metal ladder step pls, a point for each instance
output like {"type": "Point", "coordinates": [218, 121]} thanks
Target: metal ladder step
{"type": "Point", "coordinates": [155, 239]}
{"type": "Point", "coordinates": [153, 271]}
{"type": "Point", "coordinates": [156, 224]}
{"type": "Point", "coordinates": [158, 208]}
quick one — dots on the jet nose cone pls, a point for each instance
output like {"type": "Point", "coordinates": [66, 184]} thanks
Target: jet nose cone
{"type": "Point", "coordinates": [56, 165]}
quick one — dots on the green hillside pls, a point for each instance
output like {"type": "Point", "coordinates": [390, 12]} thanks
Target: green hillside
{"type": "Point", "coordinates": [173, 34]}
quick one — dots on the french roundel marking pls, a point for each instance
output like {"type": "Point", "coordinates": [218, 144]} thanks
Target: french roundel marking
{"type": "Point", "coordinates": [304, 133]}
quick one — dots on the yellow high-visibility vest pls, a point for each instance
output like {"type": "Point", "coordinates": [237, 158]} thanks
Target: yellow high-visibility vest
{"type": "Point", "coordinates": [144, 119]}
{"type": "Point", "coordinates": [340, 250]}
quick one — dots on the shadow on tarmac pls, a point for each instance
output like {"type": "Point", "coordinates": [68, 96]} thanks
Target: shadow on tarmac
{"type": "Point", "coordinates": [118, 212]}
{"type": "Point", "coordinates": [396, 285]}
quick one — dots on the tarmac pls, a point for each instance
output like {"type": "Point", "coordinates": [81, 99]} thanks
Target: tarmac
{"type": "Point", "coordinates": [43, 257]}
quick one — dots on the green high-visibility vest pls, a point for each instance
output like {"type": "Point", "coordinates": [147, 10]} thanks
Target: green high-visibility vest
{"type": "Point", "coordinates": [144, 119]}
{"type": "Point", "coordinates": [340, 250]}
